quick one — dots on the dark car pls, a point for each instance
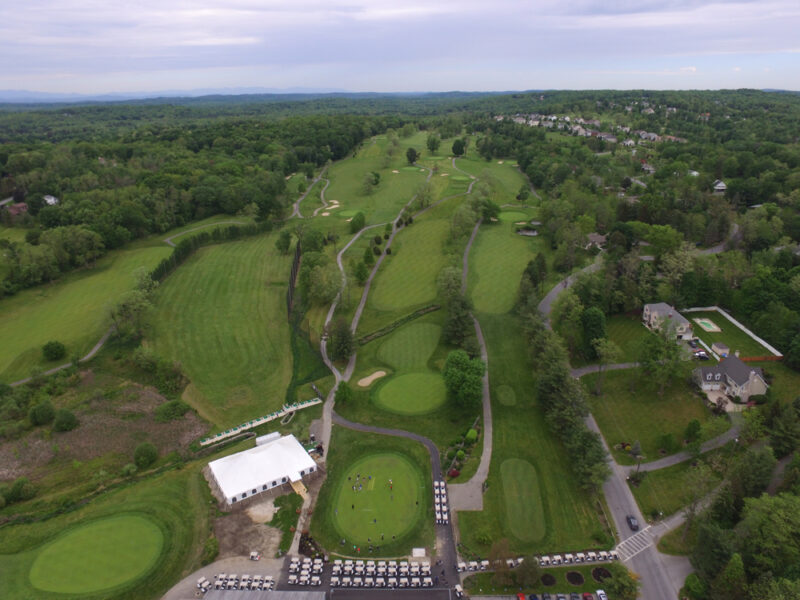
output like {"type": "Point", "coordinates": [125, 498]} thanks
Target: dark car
{"type": "Point", "coordinates": [546, 596]}
{"type": "Point", "coordinates": [533, 597]}
{"type": "Point", "coordinates": [632, 523]}
{"type": "Point", "coordinates": [693, 343]}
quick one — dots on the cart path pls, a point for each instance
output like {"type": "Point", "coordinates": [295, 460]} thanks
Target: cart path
{"type": "Point", "coordinates": [296, 206]}
{"type": "Point", "coordinates": [169, 241]}
{"type": "Point", "coordinates": [546, 305]}
{"type": "Point", "coordinates": [322, 198]}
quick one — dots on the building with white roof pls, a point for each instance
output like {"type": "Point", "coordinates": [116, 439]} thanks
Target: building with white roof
{"type": "Point", "coordinates": [274, 462]}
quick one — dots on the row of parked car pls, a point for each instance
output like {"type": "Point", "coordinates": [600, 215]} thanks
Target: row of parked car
{"type": "Point", "coordinates": [599, 594]}
{"type": "Point", "coordinates": [306, 567]}
{"type": "Point", "coordinates": [223, 581]}
{"type": "Point", "coordinates": [380, 568]}
{"type": "Point", "coordinates": [382, 582]}
{"type": "Point", "coordinates": [545, 560]}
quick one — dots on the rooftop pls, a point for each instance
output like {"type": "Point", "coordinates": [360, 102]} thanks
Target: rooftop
{"type": "Point", "coordinates": [734, 368]}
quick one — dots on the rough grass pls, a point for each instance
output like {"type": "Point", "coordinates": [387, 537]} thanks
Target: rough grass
{"type": "Point", "coordinates": [177, 502]}
{"type": "Point", "coordinates": [73, 310]}
{"type": "Point", "coordinates": [785, 382]}
{"type": "Point", "coordinates": [411, 393]}
{"type": "Point", "coordinates": [523, 499]}
{"type": "Point", "coordinates": [98, 556]}
{"type": "Point", "coordinates": [665, 490]}
{"type": "Point", "coordinates": [731, 335]}
{"type": "Point", "coordinates": [223, 316]}
{"type": "Point", "coordinates": [630, 409]}
{"type": "Point", "coordinates": [377, 508]}
{"type": "Point", "coordinates": [408, 277]}
{"type": "Point", "coordinates": [410, 346]}
{"type": "Point", "coordinates": [348, 448]}
{"type": "Point", "coordinates": [628, 333]}
{"type": "Point", "coordinates": [570, 516]}
{"type": "Point", "coordinates": [285, 518]}
{"type": "Point", "coordinates": [497, 259]}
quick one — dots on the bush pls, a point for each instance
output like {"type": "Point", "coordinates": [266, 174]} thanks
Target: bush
{"type": "Point", "coordinates": [376, 250]}
{"type": "Point", "coordinates": [129, 470]}
{"type": "Point", "coordinates": [377, 240]}
{"type": "Point", "coordinates": [65, 420]}
{"type": "Point", "coordinates": [471, 437]}
{"type": "Point", "coordinates": [668, 443]}
{"type": "Point", "coordinates": [460, 455]}
{"type": "Point", "coordinates": [451, 454]}
{"type": "Point", "coordinates": [19, 491]}
{"type": "Point", "coordinates": [42, 414]}
{"type": "Point", "coordinates": [54, 350]}
{"type": "Point", "coordinates": [210, 551]}
{"type": "Point", "coordinates": [169, 411]}
{"type": "Point", "coordinates": [759, 398]}
{"type": "Point", "coordinates": [388, 251]}
{"type": "Point", "coordinates": [145, 455]}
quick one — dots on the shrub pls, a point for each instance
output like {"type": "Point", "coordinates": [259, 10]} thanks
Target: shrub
{"type": "Point", "coordinates": [759, 398]}
{"type": "Point", "coordinates": [54, 350]}
{"type": "Point", "coordinates": [668, 443]}
{"type": "Point", "coordinates": [169, 411]}
{"type": "Point", "coordinates": [471, 437]}
{"type": "Point", "coordinates": [376, 250]}
{"type": "Point", "coordinates": [42, 414]}
{"type": "Point", "coordinates": [460, 455]}
{"type": "Point", "coordinates": [451, 454]}
{"type": "Point", "coordinates": [388, 251]}
{"type": "Point", "coordinates": [65, 420]}
{"type": "Point", "coordinates": [357, 223]}
{"type": "Point", "coordinates": [377, 239]}
{"type": "Point", "coordinates": [129, 470]}
{"type": "Point", "coordinates": [145, 455]}
{"type": "Point", "coordinates": [453, 473]}
{"type": "Point", "coordinates": [19, 491]}
{"type": "Point", "coordinates": [210, 551]}
{"type": "Point", "coordinates": [386, 236]}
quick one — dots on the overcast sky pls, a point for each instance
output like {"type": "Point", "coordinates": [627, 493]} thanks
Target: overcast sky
{"type": "Point", "coordinates": [98, 46]}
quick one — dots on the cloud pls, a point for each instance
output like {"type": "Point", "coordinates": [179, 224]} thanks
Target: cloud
{"type": "Point", "coordinates": [688, 69]}
{"type": "Point", "coordinates": [736, 69]}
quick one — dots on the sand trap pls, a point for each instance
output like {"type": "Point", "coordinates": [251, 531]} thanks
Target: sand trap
{"type": "Point", "coordinates": [261, 512]}
{"type": "Point", "coordinates": [348, 220]}
{"type": "Point", "coordinates": [499, 162]}
{"type": "Point", "coordinates": [493, 219]}
{"type": "Point", "coordinates": [326, 214]}
{"type": "Point", "coordinates": [515, 165]}
{"type": "Point", "coordinates": [333, 202]}
{"type": "Point", "coordinates": [520, 223]}
{"type": "Point", "coordinates": [472, 176]}
{"type": "Point", "coordinates": [395, 171]}
{"type": "Point", "coordinates": [366, 381]}
{"type": "Point", "coordinates": [334, 207]}
{"type": "Point", "coordinates": [444, 174]}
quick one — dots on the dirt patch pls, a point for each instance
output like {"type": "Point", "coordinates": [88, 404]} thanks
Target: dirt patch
{"type": "Point", "coordinates": [366, 381]}
{"type": "Point", "coordinates": [238, 536]}
{"type": "Point", "coordinates": [600, 574]}
{"type": "Point", "coordinates": [548, 580]}
{"type": "Point", "coordinates": [575, 578]}
{"type": "Point", "coordinates": [261, 512]}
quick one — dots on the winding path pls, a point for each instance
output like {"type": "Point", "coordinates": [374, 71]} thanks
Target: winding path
{"type": "Point", "coordinates": [322, 198]}
{"type": "Point", "coordinates": [296, 206]}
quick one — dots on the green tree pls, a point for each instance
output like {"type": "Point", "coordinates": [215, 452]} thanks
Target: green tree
{"type": "Point", "coordinates": [566, 316]}
{"type": "Point", "coordinates": [342, 344]}
{"type": "Point", "coordinates": [283, 242]}
{"type": "Point", "coordinates": [411, 155]}
{"type": "Point", "coordinates": [593, 322]}
{"type": "Point", "coordinates": [661, 356]}
{"type": "Point", "coordinates": [54, 350]}
{"type": "Point", "coordinates": [145, 455]}
{"type": "Point", "coordinates": [130, 314]}
{"type": "Point", "coordinates": [459, 147]}
{"type": "Point", "coordinates": [528, 573]}
{"type": "Point", "coordinates": [769, 535]}
{"type": "Point", "coordinates": [693, 430]}
{"type": "Point", "coordinates": [65, 420]}
{"type": "Point", "coordinates": [498, 554]}
{"type": "Point", "coordinates": [344, 393]}
{"type": "Point", "coordinates": [369, 257]}
{"type": "Point", "coordinates": [41, 413]}
{"type": "Point", "coordinates": [463, 379]}
{"type": "Point", "coordinates": [523, 193]}
{"type": "Point", "coordinates": [731, 581]}
{"type": "Point", "coordinates": [623, 585]}
{"type": "Point", "coordinates": [433, 142]}
{"type": "Point", "coordinates": [785, 431]}
{"type": "Point", "coordinates": [458, 324]}
{"type": "Point", "coordinates": [361, 272]}
{"type": "Point", "coordinates": [608, 353]}
{"type": "Point", "coordinates": [357, 222]}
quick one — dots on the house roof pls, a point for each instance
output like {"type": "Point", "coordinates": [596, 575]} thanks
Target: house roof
{"type": "Point", "coordinates": [596, 238]}
{"type": "Point", "coordinates": [732, 367]}
{"type": "Point", "coordinates": [665, 311]}
{"type": "Point", "coordinates": [271, 461]}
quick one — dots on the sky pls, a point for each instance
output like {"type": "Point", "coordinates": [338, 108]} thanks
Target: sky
{"type": "Point", "coordinates": [111, 46]}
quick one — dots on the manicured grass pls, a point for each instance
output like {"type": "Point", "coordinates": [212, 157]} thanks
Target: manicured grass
{"type": "Point", "coordinates": [630, 409]}
{"type": "Point", "coordinates": [497, 259]}
{"type": "Point", "coordinates": [731, 335]}
{"type": "Point", "coordinates": [97, 556]}
{"type": "Point", "coordinates": [222, 314]}
{"type": "Point", "coordinates": [379, 500]}
{"type": "Point", "coordinates": [408, 277]}
{"type": "Point", "coordinates": [785, 382]}
{"type": "Point", "coordinates": [520, 432]}
{"type": "Point", "coordinates": [628, 333]}
{"type": "Point", "coordinates": [407, 463]}
{"type": "Point", "coordinates": [73, 310]}
{"type": "Point", "coordinates": [175, 503]}
{"type": "Point", "coordinates": [523, 499]}
{"type": "Point", "coordinates": [512, 216]}
{"type": "Point", "coordinates": [411, 393]}
{"type": "Point", "coordinates": [410, 346]}
{"type": "Point", "coordinates": [665, 490]}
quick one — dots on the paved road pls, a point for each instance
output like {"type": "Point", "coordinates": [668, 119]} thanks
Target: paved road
{"type": "Point", "coordinates": [169, 241]}
{"type": "Point", "coordinates": [721, 246]}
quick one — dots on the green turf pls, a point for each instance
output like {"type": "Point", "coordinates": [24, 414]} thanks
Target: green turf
{"type": "Point", "coordinates": [98, 556]}
{"type": "Point", "coordinates": [784, 382]}
{"type": "Point", "coordinates": [511, 216]}
{"type": "Point", "coordinates": [408, 278]}
{"type": "Point", "coordinates": [377, 507]}
{"type": "Point", "coordinates": [630, 409]}
{"type": "Point", "coordinates": [731, 335]}
{"type": "Point", "coordinates": [410, 346]}
{"type": "Point", "coordinates": [223, 316]}
{"type": "Point", "coordinates": [665, 490]}
{"type": "Point", "coordinates": [407, 463]}
{"type": "Point", "coordinates": [412, 393]}
{"type": "Point", "coordinates": [628, 333]}
{"type": "Point", "coordinates": [497, 259]}
{"type": "Point", "coordinates": [73, 310]}
{"type": "Point", "coordinates": [523, 499]}
{"type": "Point", "coordinates": [506, 395]}
{"type": "Point", "coordinates": [175, 503]}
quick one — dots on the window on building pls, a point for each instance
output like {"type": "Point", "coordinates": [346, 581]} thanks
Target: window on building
{"type": "Point", "coordinates": [233, 499]}
{"type": "Point", "coordinates": [244, 495]}
{"type": "Point", "coordinates": [283, 480]}
{"type": "Point", "coordinates": [255, 491]}
{"type": "Point", "coordinates": [274, 483]}
{"type": "Point", "coordinates": [263, 487]}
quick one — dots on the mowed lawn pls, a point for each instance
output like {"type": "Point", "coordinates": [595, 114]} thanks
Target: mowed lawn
{"type": "Point", "coordinates": [731, 335]}
{"type": "Point", "coordinates": [411, 393]}
{"type": "Point", "coordinates": [40, 554]}
{"type": "Point", "coordinates": [73, 310]}
{"type": "Point", "coordinates": [523, 498]}
{"type": "Point", "coordinates": [784, 382]}
{"type": "Point", "coordinates": [570, 515]}
{"type": "Point", "coordinates": [408, 277]}
{"type": "Point", "coordinates": [409, 516]}
{"type": "Point", "coordinates": [628, 333]}
{"type": "Point", "coordinates": [100, 555]}
{"type": "Point", "coordinates": [410, 346]}
{"type": "Point", "coordinates": [667, 490]}
{"type": "Point", "coordinates": [379, 499]}
{"type": "Point", "coordinates": [222, 314]}
{"type": "Point", "coordinates": [497, 259]}
{"type": "Point", "coordinates": [630, 409]}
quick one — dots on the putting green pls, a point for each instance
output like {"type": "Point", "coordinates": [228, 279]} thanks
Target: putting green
{"type": "Point", "coordinates": [459, 178]}
{"type": "Point", "coordinates": [346, 213]}
{"type": "Point", "coordinates": [513, 216]}
{"type": "Point", "coordinates": [506, 395]}
{"type": "Point", "coordinates": [523, 500]}
{"type": "Point", "coordinates": [410, 346]}
{"type": "Point", "coordinates": [99, 555]}
{"type": "Point", "coordinates": [377, 507]}
{"type": "Point", "coordinates": [412, 393]}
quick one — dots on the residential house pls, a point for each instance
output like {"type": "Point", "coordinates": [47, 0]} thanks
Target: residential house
{"type": "Point", "coordinates": [595, 239]}
{"type": "Point", "coordinates": [720, 187]}
{"type": "Point", "coordinates": [15, 210]}
{"type": "Point", "coordinates": [629, 143]}
{"type": "Point", "coordinates": [654, 315]}
{"type": "Point", "coordinates": [733, 377]}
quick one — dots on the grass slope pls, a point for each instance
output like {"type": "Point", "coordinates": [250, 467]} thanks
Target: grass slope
{"type": "Point", "coordinates": [223, 316]}
{"type": "Point", "coordinates": [410, 346]}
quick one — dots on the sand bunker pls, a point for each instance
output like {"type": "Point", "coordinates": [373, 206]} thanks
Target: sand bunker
{"type": "Point", "coordinates": [326, 214]}
{"type": "Point", "coordinates": [493, 219]}
{"type": "Point", "coordinates": [366, 381]}
{"type": "Point", "coordinates": [395, 171]}
{"type": "Point", "coordinates": [334, 207]}
{"type": "Point", "coordinates": [520, 223]}
{"type": "Point", "coordinates": [444, 174]}
{"type": "Point", "coordinates": [499, 162]}
{"type": "Point", "coordinates": [423, 170]}
{"type": "Point", "coordinates": [348, 220]}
